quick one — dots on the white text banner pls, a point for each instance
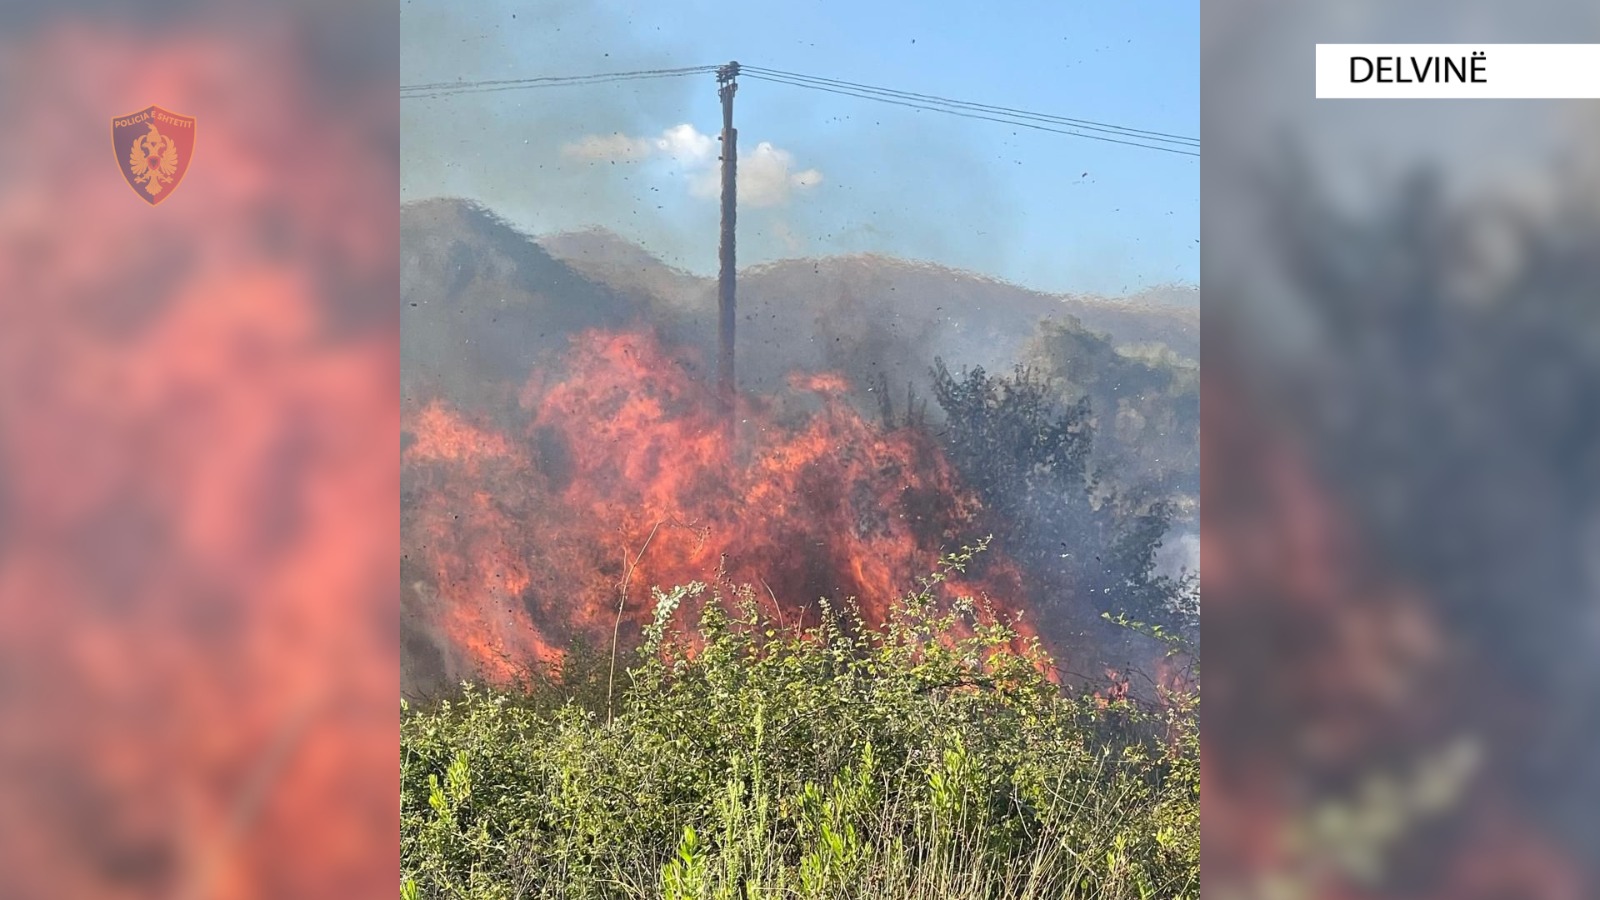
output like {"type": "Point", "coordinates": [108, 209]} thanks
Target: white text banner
{"type": "Point", "coordinates": [1459, 71]}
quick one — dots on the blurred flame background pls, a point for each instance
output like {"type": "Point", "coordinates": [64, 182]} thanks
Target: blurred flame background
{"type": "Point", "coordinates": [1401, 456]}
{"type": "Point", "coordinates": [198, 463]}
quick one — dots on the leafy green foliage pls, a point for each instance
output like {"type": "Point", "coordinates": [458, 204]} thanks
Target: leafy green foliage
{"type": "Point", "coordinates": [1027, 455]}
{"type": "Point", "coordinates": [929, 757]}
{"type": "Point", "coordinates": [1145, 400]}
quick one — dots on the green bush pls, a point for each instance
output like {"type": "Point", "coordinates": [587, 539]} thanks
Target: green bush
{"type": "Point", "coordinates": [929, 757]}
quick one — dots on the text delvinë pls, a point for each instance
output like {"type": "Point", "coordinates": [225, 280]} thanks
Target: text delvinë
{"type": "Point", "coordinates": [1472, 69]}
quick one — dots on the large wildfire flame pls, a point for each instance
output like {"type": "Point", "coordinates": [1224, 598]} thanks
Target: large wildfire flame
{"type": "Point", "coordinates": [624, 477]}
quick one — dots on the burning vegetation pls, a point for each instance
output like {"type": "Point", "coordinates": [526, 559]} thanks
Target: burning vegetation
{"type": "Point", "coordinates": [803, 644]}
{"type": "Point", "coordinates": [624, 477]}
{"type": "Point", "coordinates": [550, 484]}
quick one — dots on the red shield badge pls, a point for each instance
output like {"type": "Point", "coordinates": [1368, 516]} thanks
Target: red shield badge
{"type": "Point", "coordinates": [154, 148]}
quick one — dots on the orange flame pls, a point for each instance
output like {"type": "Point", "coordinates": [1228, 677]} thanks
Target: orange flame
{"type": "Point", "coordinates": [622, 477]}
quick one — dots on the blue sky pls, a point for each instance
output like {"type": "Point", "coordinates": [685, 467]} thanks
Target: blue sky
{"type": "Point", "coordinates": [837, 174]}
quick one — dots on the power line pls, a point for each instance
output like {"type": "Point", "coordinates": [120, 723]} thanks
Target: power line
{"type": "Point", "coordinates": [968, 115]}
{"type": "Point", "coordinates": [554, 79]}
{"type": "Point", "coordinates": [1082, 128]}
{"type": "Point", "coordinates": [981, 107]}
{"type": "Point", "coordinates": [447, 88]}
{"type": "Point", "coordinates": [491, 89]}
{"type": "Point", "coordinates": [1181, 149]}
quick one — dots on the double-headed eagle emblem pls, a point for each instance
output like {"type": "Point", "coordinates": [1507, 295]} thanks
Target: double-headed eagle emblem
{"type": "Point", "coordinates": [154, 148]}
{"type": "Point", "coordinates": [153, 161]}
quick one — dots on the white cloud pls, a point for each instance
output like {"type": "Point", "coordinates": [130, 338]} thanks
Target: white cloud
{"type": "Point", "coordinates": [685, 144]}
{"type": "Point", "coordinates": [767, 175]}
{"type": "Point", "coordinates": [610, 147]}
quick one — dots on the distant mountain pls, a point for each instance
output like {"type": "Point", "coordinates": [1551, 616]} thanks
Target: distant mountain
{"type": "Point", "coordinates": [479, 301]}
{"type": "Point", "coordinates": [988, 309]}
{"type": "Point", "coordinates": [611, 259]}
{"type": "Point", "coordinates": [1169, 316]}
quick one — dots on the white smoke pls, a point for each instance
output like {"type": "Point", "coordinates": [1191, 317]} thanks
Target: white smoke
{"type": "Point", "coordinates": [1179, 553]}
{"type": "Point", "coordinates": [768, 175]}
{"type": "Point", "coordinates": [610, 148]}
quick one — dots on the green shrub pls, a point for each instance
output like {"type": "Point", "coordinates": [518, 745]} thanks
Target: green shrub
{"type": "Point", "coordinates": [927, 757]}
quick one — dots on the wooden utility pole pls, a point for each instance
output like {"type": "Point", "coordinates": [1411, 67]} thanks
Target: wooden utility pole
{"type": "Point", "coordinates": [726, 87]}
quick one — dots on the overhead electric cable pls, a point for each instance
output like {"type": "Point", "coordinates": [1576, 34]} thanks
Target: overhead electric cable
{"type": "Point", "coordinates": [980, 107]}
{"type": "Point", "coordinates": [445, 88]}
{"type": "Point", "coordinates": [1184, 150]}
{"type": "Point", "coordinates": [1088, 129]}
